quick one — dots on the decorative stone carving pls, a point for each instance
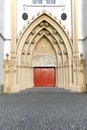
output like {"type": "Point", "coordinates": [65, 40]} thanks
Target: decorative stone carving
{"type": "Point", "coordinates": [7, 56]}
{"type": "Point", "coordinates": [33, 17]}
{"type": "Point", "coordinates": [50, 14]}
{"type": "Point", "coordinates": [23, 52]}
{"type": "Point", "coordinates": [7, 68]}
{"type": "Point", "coordinates": [27, 41]}
{"type": "Point", "coordinates": [47, 32]}
{"type": "Point", "coordinates": [61, 41]}
{"type": "Point", "coordinates": [64, 52]}
{"type": "Point", "coordinates": [33, 32]}
{"type": "Point", "coordinates": [44, 47]}
{"type": "Point", "coordinates": [24, 27]}
{"type": "Point", "coordinates": [59, 52]}
{"type": "Point", "coordinates": [28, 22]}
{"type": "Point", "coordinates": [20, 32]}
{"type": "Point", "coordinates": [44, 11]}
{"type": "Point", "coordinates": [46, 24]}
{"type": "Point", "coordinates": [33, 42]}
{"type": "Point", "coordinates": [54, 41]}
{"type": "Point", "coordinates": [54, 32]}
{"type": "Point", "coordinates": [41, 24]}
{"type": "Point", "coordinates": [67, 32]}
{"type": "Point", "coordinates": [55, 17]}
{"type": "Point", "coordinates": [44, 60]}
{"type": "Point", "coordinates": [40, 33]}
{"type": "Point", "coordinates": [28, 53]}
{"type": "Point", "coordinates": [64, 26]}
{"type": "Point", "coordinates": [38, 13]}
{"type": "Point", "coordinates": [60, 22]}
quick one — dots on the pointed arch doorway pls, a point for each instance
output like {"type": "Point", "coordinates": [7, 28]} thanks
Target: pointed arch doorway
{"type": "Point", "coordinates": [44, 62]}
{"type": "Point", "coordinates": [45, 45]}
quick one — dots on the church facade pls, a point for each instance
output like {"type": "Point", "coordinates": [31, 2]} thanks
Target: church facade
{"type": "Point", "coordinates": [47, 45]}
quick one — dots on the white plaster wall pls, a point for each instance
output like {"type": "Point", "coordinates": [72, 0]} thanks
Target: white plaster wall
{"type": "Point", "coordinates": [1, 39]}
{"type": "Point", "coordinates": [1, 59]}
{"type": "Point", "coordinates": [7, 47]}
{"type": "Point", "coordinates": [7, 27]}
{"type": "Point", "coordinates": [82, 31]}
{"type": "Point", "coordinates": [56, 11]}
{"type": "Point", "coordinates": [82, 27]}
{"type": "Point", "coordinates": [85, 26]}
{"type": "Point", "coordinates": [1, 16]}
{"type": "Point", "coordinates": [82, 19]}
{"type": "Point", "coordinates": [7, 19]}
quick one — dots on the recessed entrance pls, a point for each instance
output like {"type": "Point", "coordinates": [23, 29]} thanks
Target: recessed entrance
{"type": "Point", "coordinates": [44, 77]}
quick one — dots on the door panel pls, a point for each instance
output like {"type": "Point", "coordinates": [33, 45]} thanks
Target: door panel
{"type": "Point", "coordinates": [44, 77]}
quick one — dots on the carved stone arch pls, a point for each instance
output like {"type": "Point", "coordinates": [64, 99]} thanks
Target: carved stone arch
{"type": "Point", "coordinates": [21, 70]}
{"type": "Point", "coordinates": [51, 42]}
{"type": "Point", "coordinates": [43, 17]}
{"type": "Point", "coordinates": [49, 33]}
{"type": "Point", "coordinates": [48, 51]}
{"type": "Point", "coordinates": [44, 28]}
{"type": "Point", "coordinates": [36, 41]}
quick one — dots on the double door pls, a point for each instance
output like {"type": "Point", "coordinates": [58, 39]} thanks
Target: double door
{"type": "Point", "coordinates": [44, 77]}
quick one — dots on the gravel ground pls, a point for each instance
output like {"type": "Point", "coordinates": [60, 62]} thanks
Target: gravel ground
{"type": "Point", "coordinates": [43, 110]}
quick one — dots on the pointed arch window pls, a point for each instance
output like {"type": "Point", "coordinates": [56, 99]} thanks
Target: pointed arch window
{"type": "Point", "coordinates": [50, 1]}
{"type": "Point", "coordinates": [37, 1]}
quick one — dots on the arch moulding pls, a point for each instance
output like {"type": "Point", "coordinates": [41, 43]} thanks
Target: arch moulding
{"type": "Point", "coordinates": [43, 42]}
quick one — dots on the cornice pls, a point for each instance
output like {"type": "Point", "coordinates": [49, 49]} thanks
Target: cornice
{"type": "Point", "coordinates": [82, 39]}
{"type": "Point", "coordinates": [1, 35]}
{"type": "Point", "coordinates": [5, 39]}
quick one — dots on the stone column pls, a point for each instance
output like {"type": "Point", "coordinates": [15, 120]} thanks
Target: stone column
{"type": "Point", "coordinates": [6, 73]}
{"type": "Point", "coordinates": [13, 44]}
{"type": "Point", "coordinates": [13, 26]}
{"type": "Point", "coordinates": [75, 42]}
{"type": "Point", "coordinates": [78, 65]}
{"type": "Point", "coordinates": [81, 75]}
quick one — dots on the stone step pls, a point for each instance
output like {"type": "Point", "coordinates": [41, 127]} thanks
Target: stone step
{"type": "Point", "coordinates": [50, 89]}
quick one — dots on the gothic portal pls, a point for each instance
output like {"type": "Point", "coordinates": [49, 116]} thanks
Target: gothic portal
{"type": "Point", "coordinates": [44, 55]}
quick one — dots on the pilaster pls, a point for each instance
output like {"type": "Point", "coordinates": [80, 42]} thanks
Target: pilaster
{"type": "Point", "coordinates": [13, 26]}
{"type": "Point", "coordinates": [13, 43]}
{"type": "Point", "coordinates": [75, 41]}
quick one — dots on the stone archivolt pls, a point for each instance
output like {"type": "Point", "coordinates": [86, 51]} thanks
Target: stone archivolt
{"type": "Point", "coordinates": [45, 35]}
{"type": "Point", "coordinates": [43, 43]}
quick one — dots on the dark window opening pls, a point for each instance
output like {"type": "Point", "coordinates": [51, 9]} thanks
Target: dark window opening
{"type": "Point", "coordinates": [63, 16]}
{"type": "Point", "coordinates": [50, 1]}
{"type": "Point", "coordinates": [37, 1]}
{"type": "Point", "coordinates": [25, 16]}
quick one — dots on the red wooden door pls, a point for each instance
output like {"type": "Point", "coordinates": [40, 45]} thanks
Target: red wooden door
{"type": "Point", "coordinates": [44, 77]}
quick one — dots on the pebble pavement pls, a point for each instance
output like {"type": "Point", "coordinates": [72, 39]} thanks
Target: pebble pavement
{"type": "Point", "coordinates": [44, 109]}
